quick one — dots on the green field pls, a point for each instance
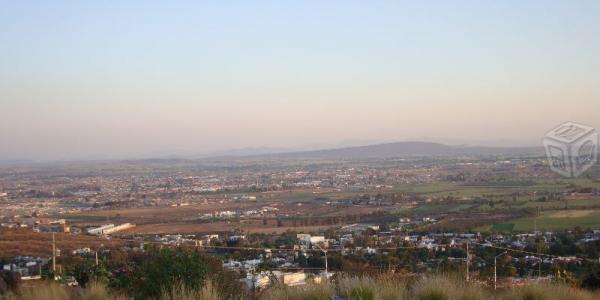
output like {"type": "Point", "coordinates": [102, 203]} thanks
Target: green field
{"type": "Point", "coordinates": [574, 203]}
{"type": "Point", "coordinates": [503, 227]}
{"type": "Point", "coordinates": [551, 220]}
{"type": "Point", "coordinates": [456, 190]}
{"type": "Point", "coordinates": [460, 190]}
{"type": "Point", "coordinates": [79, 218]}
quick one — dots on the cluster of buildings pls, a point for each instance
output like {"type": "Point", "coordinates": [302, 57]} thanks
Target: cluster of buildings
{"type": "Point", "coordinates": [265, 279]}
{"type": "Point", "coordinates": [224, 214]}
{"type": "Point", "coordinates": [76, 189]}
{"type": "Point", "coordinates": [52, 226]}
{"type": "Point", "coordinates": [28, 267]}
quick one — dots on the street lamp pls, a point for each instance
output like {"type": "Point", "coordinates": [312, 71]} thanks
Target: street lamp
{"type": "Point", "coordinates": [495, 274]}
{"type": "Point", "coordinates": [326, 268]}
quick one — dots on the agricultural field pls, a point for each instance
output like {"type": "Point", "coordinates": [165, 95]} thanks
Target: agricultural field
{"type": "Point", "coordinates": [24, 242]}
{"type": "Point", "coordinates": [551, 220]}
{"type": "Point", "coordinates": [208, 228]}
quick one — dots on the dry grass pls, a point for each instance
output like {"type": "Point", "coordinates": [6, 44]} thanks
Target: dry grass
{"type": "Point", "coordinates": [391, 289]}
{"type": "Point", "coordinates": [55, 291]}
{"type": "Point", "coordinates": [442, 287]}
{"type": "Point", "coordinates": [359, 288]}
{"type": "Point", "coordinates": [50, 291]}
{"type": "Point", "coordinates": [366, 288]}
{"type": "Point", "coordinates": [382, 288]}
{"type": "Point", "coordinates": [311, 291]}
{"type": "Point", "coordinates": [572, 213]}
{"type": "Point", "coordinates": [435, 287]}
{"type": "Point", "coordinates": [548, 291]}
{"type": "Point", "coordinates": [180, 292]}
{"type": "Point", "coordinates": [95, 291]}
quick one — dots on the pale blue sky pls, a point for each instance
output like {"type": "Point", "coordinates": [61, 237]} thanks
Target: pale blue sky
{"type": "Point", "coordinates": [109, 79]}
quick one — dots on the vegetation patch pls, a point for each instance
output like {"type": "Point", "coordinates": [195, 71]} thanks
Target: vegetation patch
{"type": "Point", "coordinates": [503, 227]}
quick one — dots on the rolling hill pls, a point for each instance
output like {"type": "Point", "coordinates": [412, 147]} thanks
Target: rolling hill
{"type": "Point", "coordinates": [390, 150]}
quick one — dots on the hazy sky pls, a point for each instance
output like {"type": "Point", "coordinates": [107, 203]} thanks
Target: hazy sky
{"type": "Point", "coordinates": [115, 79]}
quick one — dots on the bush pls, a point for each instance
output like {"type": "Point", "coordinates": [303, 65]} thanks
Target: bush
{"type": "Point", "coordinates": [591, 280]}
{"type": "Point", "coordinates": [9, 281]}
{"type": "Point", "coordinates": [165, 269]}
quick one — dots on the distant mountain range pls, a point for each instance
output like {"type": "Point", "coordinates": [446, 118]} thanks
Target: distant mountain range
{"type": "Point", "coordinates": [377, 151]}
{"type": "Point", "coordinates": [389, 150]}
{"type": "Point", "coordinates": [246, 152]}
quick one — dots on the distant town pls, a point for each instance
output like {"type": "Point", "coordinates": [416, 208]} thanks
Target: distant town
{"type": "Point", "coordinates": [500, 220]}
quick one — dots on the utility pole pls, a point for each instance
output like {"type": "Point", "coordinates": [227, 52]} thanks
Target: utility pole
{"type": "Point", "coordinates": [467, 261]}
{"type": "Point", "coordinates": [535, 220]}
{"type": "Point", "coordinates": [53, 253]}
{"type": "Point", "coordinates": [98, 249]}
{"type": "Point", "coordinates": [326, 268]}
{"type": "Point", "coordinates": [539, 248]}
{"type": "Point", "coordinates": [495, 273]}
{"type": "Point", "coordinates": [540, 268]}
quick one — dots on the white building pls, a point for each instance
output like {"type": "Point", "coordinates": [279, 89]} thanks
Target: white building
{"type": "Point", "coordinates": [109, 228]}
{"type": "Point", "coordinates": [100, 230]}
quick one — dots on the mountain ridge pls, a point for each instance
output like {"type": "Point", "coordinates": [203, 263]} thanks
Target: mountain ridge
{"type": "Point", "coordinates": [390, 150]}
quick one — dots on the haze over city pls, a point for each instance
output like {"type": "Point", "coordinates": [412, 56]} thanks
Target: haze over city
{"type": "Point", "coordinates": [86, 80]}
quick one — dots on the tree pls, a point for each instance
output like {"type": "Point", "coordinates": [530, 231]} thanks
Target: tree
{"type": "Point", "coordinates": [166, 267]}
{"type": "Point", "coordinates": [591, 279]}
{"type": "Point", "coordinates": [85, 271]}
{"type": "Point", "coordinates": [9, 281]}
{"type": "Point", "coordinates": [81, 272]}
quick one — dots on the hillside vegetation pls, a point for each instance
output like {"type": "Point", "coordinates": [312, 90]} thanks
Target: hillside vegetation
{"type": "Point", "coordinates": [384, 287]}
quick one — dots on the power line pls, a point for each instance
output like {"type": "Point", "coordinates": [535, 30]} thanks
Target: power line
{"type": "Point", "coordinates": [281, 249]}
{"type": "Point", "coordinates": [363, 249]}
{"type": "Point", "coordinates": [529, 252]}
